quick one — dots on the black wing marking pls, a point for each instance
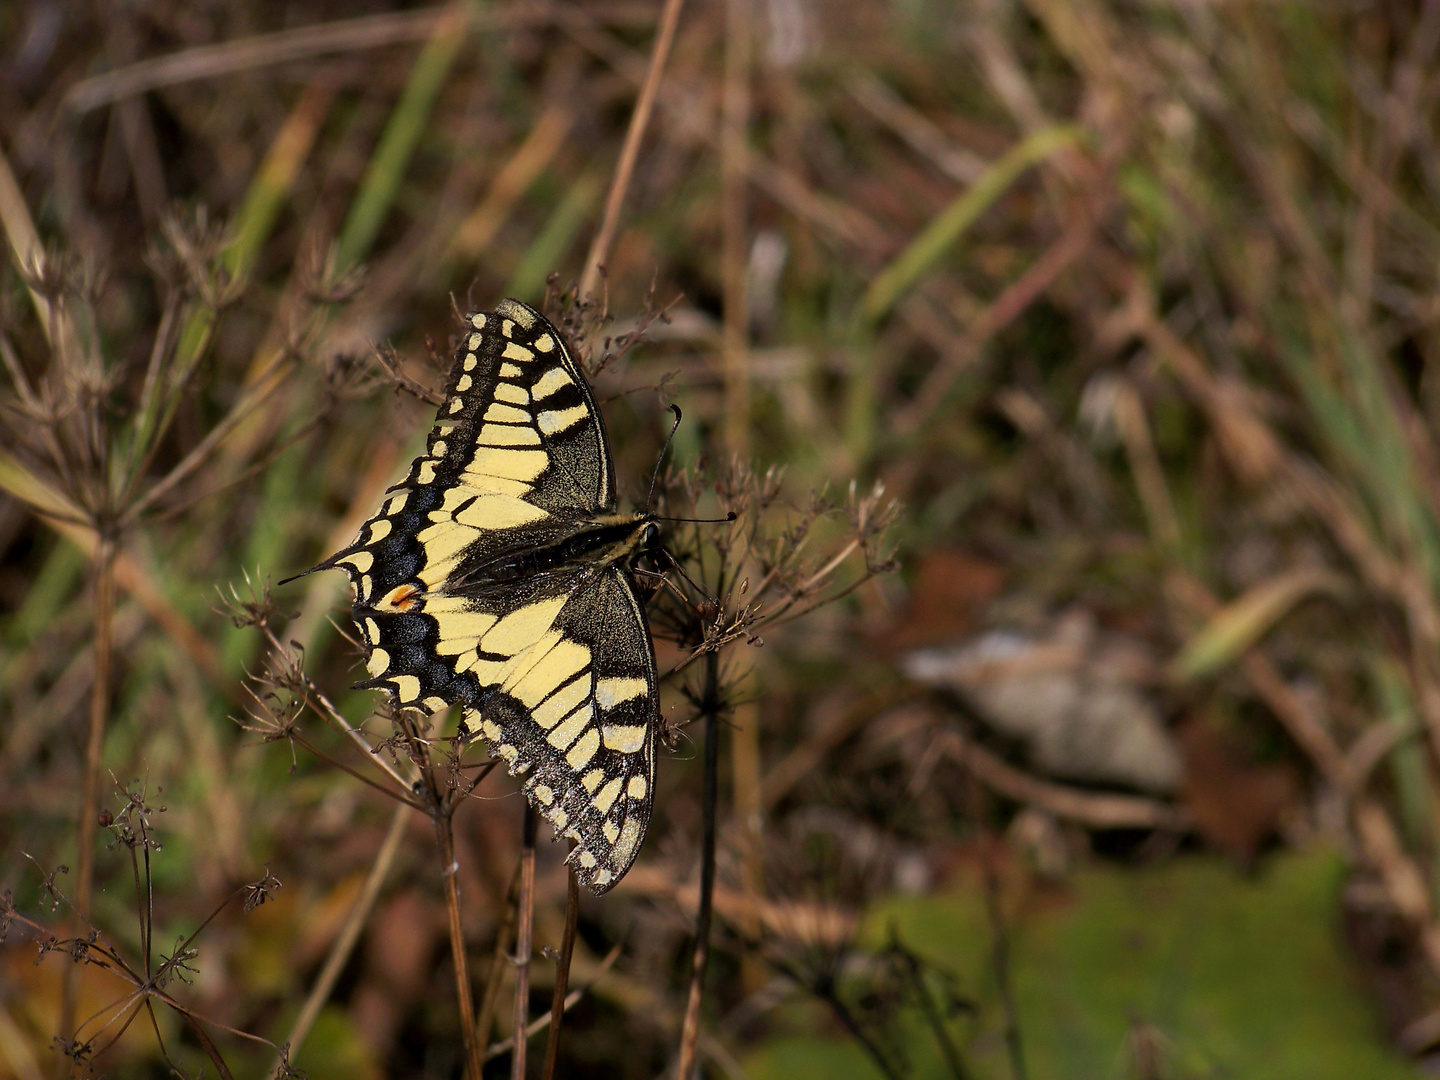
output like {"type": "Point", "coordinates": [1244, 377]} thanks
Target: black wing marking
{"type": "Point", "coordinates": [517, 456]}
{"type": "Point", "coordinates": [576, 712]}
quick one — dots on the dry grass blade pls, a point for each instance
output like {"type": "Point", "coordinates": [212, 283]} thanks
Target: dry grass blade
{"type": "Point", "coordinates": [710, 709]}
{"type": "Point", "coordinates": [562, 975]}
{"type": "Point", "coordinates": [524, 947]}
{"type": "Point", "coordinates": [212, 61]}
{"type": "Point", "coordinates": [630, 151]}
{"type": "Point", "coordinates": [345, 942]}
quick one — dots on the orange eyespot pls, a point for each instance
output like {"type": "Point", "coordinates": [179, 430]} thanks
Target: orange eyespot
{"type": "Point", "coordinates": [403, 598]}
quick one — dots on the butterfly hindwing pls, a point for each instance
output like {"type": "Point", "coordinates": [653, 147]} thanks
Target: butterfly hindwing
{"type": "Point", "coordinates": [517, 464]}
{"type": "Point", "coordinates": [574, 711]}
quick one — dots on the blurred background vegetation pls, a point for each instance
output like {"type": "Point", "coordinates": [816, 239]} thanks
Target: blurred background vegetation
{"type": "Point", "coordinates": [1129, 771]}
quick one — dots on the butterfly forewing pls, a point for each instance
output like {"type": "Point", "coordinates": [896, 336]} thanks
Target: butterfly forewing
{"type": "Point", "coordinates": [517, 460]}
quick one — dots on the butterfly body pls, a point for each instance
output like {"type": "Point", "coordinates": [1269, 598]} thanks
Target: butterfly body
{"type": "Point", "coordinates": [497, 577]}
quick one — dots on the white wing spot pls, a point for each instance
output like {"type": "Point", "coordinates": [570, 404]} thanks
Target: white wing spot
{"type": "Point", "coordinates": [427, 469]}
{"type": "Point", "coordinates": [470, 361]}
{"type": "Point", "coordinates": [407, 687]}
{"type": "Point", "coordinates": [456, 405]}
{"type": "Point", "coordinates": [627, 740]}
{"type": "Point", "coordinates": [506, 326]}
{"type": "Point", "coordinates": [591, 780]}
{"type": "Point", "coordinates": [397, 502]}
{"type": "Point", "coordinates": [544, 794]}
{"type": "Point", "coordinates": [611, 692]}
{"type": "Point", "coordinates": [553, 380]}
{"type": "Point", "coordinates": [509, 371]}
{"type": "Point", "coordinates": [561, 703]}
{"type": "Point", "coordinates": [608, 794]}
{"type": "Point", "coordinates": [587, 861]}
{"type": "Point", "coordinates": [379, 529]}
{"type": "Point", "coordinates": [477, 321]}
{"type": "Point", "coordinates": [630, 837]}
{"type": "Point", "coordinates": [570, 730]}
{"type": "Point", "coordinates": [517, 352]}
{"type": "Point", "coordinates": [517, 311]}
{"type": "Point", "coordinates": [559, 819]}
{"type": "Point", "coordinates": [377, 663]}
{"type": "Point", "coordinates": [474, 342]}
{"type": "Point", "coordinates": [372, 630]}
{"type": "Point", "coordinates": [463, 384]}
{"type": "Point", "coordinates": [581, 753]}
{"type": "Point", "coordinates": [545, 343]}
{"type": "Point", "coordinates": [435, 704]}
{"type": "Point", "coordinates": [611, 831]}
{"type": "Point", "coordinates": [551, 422]}
{"type": "Point", "coordinates": [637, 787]}
{"type": "Point", "coordinates": [556, 668]}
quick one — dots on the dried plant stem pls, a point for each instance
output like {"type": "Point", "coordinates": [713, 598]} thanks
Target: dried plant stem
{"type": "Point", "coordinates": [104, 563]}
{"type": "Point", "coordinates": [345, 944]}
{"type": "Point", "coordinates": [562, 975]}
{"type": "Point", "coordinates": [630, 151]}
{"type": "Point", "coordinates": [491, 999]}
{"type": "Point", "coordinates": [524, 945]}
{"type": "Point", "coordinates": [735, 344]}
{"type": "Point", "coordinates": [542, 1022]}
{"type": "Point", "coordinates": [734, 154]}
{"type": "Point", "coordinates": [709, 796]}
{"type": "Point", "coordinates": [445, 834]}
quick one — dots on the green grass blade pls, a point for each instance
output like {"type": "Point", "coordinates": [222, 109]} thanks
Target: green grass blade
{"type": "Point", "coordinates": [397, 142]}
{"type": "Point", "coordinates": [549, 247]}
{"type": "Point", "coordinates": [937, 238]}
{"type": "Point", "coordinates": [1242, 622]}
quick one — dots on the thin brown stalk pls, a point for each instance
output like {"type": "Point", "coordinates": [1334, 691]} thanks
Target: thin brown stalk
{"type": "Point", "coordinates": [735, 351]}
{"type": "Point", "coordinates": [345, 943]}
{"type": "Point", "coordinates": [445, 834]}
{"type": "Point", "coordinates": [562, 975]}
{"type": "Point", "coordinates": [104, 606]}
{"type": "Point", "coordinates": [524, 945]}
{"type": "Point", "coordinates": [735, 122]}
{"type": "Point", "coordinates": [541, 1023]}
{"type": "Point", "coordinates": [630, 151]}
{"type": "Point", "coordinates": [709, 796]}
{"type": "Point", "coordinates": [491, 998]}
{"type": "Point", "coordinates": [227, 58]}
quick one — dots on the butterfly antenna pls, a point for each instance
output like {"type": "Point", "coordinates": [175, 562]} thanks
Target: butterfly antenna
{"type": "Point", "coordinates": [731, 516]}
{"type": "Point", "coordinates": [661, 459]}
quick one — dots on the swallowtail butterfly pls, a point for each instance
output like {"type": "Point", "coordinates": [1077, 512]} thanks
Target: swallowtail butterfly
{"type": "Point", "coordinates": [497, 576]}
